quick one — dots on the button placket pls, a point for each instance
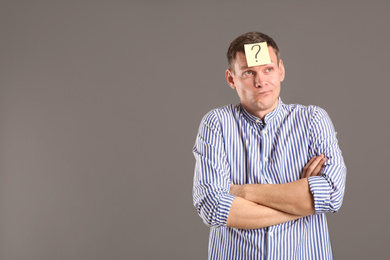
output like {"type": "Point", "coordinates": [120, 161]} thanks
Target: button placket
{"type": "Point", "coordinates": [265, 138]}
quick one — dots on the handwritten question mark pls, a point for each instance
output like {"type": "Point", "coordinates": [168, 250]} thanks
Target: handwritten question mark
{"type": "Point", "coordinates": [257, 51]}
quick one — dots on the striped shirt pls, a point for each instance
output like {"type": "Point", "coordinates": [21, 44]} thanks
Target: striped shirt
{"type": "Point", "coordinates": [235, 147]}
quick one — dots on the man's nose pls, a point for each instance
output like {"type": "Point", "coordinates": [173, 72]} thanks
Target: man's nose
{"type": "Point", "coordinates": [259, 80]}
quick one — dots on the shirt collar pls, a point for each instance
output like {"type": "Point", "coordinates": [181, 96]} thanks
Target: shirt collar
{"type": "Point", "coordinates": [268, 118]}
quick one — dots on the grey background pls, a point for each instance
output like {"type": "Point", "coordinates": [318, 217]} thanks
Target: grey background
{"type": "Point", "coordinates": [100, 102]}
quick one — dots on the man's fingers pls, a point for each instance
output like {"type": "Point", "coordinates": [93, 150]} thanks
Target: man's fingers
{"type": "Point", "coordinates": [318, 168]}
{"type": "Point", "coordinates": [305, 169]}
{"type": "Point", "coordinates": [314, 166]}
{"type": "Point", "coordinates": [305, 173]}
{"type": "Point", "coordinates": [310, 162]}
{"type": "Point", "coordinates": [311, 171]}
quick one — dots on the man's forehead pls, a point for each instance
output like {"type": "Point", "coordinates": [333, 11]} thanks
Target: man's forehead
{"type": "Point", "coordinates": [240, 60]}
{"type": "Point", "coordinates": [241, 63]}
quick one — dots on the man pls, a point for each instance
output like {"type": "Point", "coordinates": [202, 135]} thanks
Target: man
{"type": "Point", "coordinates": [266, 172]}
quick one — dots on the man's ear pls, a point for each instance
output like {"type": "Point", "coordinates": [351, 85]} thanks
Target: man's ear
{"type": "Point", "coordinates": [282, 71]}
{"type": "Point", "coordinates": [229, 78]}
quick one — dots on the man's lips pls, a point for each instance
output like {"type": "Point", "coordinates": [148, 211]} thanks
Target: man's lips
{"type": "Point", "coordinates": [265, 92]}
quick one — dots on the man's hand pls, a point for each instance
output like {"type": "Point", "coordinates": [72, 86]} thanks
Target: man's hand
{"type": "Point", "coordinates": [314, 166]}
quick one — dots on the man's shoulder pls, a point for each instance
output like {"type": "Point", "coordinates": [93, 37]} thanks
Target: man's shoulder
{"type": "Point", "coordinates": [218, 118]}
{"type": "Point", "coordinates": [227, 109]}
{"type": "Point", "coordinates": [311, 114]}
{"type": "Point", "coordinates": [223, 113]}
{"type": "Point", "coordinates": [303, 110]}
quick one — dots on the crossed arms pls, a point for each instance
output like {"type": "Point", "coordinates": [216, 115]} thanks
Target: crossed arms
{"type": "Point", "coordinates": [252, 206]}
{"type": "Point", "coordinates": [263, 205]}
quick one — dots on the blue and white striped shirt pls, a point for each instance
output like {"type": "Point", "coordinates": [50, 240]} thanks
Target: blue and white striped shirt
{"type": "Point", "coordinates": [235, 147]}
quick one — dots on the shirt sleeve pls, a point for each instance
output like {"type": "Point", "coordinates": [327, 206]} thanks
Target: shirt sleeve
{"type": "Point", "coordinates": [327, 189]}
{"type": "Point", "coordinates": [212, 175]}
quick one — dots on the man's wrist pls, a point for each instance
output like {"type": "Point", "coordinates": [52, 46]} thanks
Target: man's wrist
{"type": "Point", "coordinates": [250, 191]}
{"type": "Point", "coordinates": [242, 191]}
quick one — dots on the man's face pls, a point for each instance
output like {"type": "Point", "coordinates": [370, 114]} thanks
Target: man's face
{"type": "Point", "coordinates": [258, 87]}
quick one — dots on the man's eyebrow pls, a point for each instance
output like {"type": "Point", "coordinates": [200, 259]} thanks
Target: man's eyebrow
{"type": "Point", "coordinates": [246, 67]}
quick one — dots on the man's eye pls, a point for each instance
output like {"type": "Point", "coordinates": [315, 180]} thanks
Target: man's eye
{"type": "Point", "coordinates": [248, 73]}
{"type": "Point", "coordinates": [269, 69]}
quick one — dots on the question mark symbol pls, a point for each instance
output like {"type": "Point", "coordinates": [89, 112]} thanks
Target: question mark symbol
{"type": "Point", "coordinates": [257, 51]}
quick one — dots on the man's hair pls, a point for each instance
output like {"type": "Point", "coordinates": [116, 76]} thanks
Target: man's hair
{"type": "Point", "coordinates": [237, 45]}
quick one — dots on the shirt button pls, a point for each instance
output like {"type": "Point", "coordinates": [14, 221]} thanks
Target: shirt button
{"type": "Point", "coordinates": [265, 132]}
{"type": "Point", "coordinates": [265, 159]}
{"type": "Point", "coordinates": [257, 121]}
{"type": "Point", "coordinates": [271, 234]}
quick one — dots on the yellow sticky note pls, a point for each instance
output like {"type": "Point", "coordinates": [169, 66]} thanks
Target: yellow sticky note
{"type": "Point", "coordinates": [257, 54]}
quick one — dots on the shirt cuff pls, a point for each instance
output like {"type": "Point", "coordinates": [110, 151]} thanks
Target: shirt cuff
{"type": "Point", "coordinates": [321, 190]}
{"type": "Point", "coordinates": [225, 203]}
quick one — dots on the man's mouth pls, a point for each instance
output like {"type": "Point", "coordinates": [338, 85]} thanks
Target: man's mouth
{"type": "Point", "coordinates": [265, 92]}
